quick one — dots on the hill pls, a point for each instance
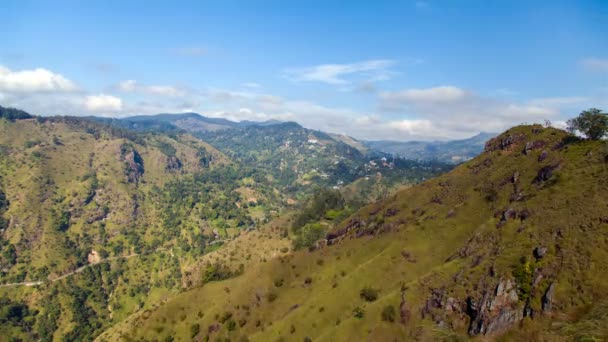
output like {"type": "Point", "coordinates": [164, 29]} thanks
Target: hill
{"type": "Point", "coordinates": [510, 245]}
{"type": "Point", "coordinates": [189, 122]}
{"type": "Point", "coordinates": [98, 222]}
{"type": "Point", "coordinates": [454, 152]}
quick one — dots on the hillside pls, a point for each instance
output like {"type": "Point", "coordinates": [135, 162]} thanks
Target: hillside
{"type": "Point", "coordinates": [296, 158]}
{"type": "Point", "coordinates": [454, 151]}
{"type": "Point", "coordinates": [98, 222]}
{"type": "Point", "coordinates": [510, 245]}
{"type": "Point", "coordinates": [77, 196]}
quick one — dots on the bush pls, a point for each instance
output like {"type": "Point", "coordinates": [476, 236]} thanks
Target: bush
{"type": "Point", "coordinates": [195, 329]}
{"type": "Point", "coordinates": [358, 312]}
{"type": "Point", "coordinates": [369, 294]}
{"type": "Point", "coordinates": [309, 235]}
{"type": "Point", "coordinates": [388, 313]}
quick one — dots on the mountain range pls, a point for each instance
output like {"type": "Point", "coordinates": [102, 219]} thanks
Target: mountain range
{"type": "Point", "coordinates": [139, 229]}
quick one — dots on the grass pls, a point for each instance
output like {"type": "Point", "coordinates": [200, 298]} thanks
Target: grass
{"type": "Point", "coordinates": [435, 221]}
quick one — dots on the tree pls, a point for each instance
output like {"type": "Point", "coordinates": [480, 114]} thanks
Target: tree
{"type": "Point", "coordinates": [592, 123]}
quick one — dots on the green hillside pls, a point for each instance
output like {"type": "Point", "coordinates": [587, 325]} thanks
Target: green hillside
{"type": "Point", "coordinates": [511, 245]}
{"type": "Point", "coordinates": [98, 222]}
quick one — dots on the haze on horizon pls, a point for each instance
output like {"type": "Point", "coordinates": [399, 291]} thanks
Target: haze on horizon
{"type": "Point", "coordinates": [399, 70]}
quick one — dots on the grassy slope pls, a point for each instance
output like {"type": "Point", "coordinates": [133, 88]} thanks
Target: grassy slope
{"type": "Point", "coordinates": [429, 223]}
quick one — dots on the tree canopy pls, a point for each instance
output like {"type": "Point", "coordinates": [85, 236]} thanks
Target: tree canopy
{"type": "Point", "coordinates": [592, 123]}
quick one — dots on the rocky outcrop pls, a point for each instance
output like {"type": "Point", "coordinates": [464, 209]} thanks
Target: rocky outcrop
{"type": "Point", "coordinates": [173, 164]}
{"type": "Point", "coordinates": [504, 143]}
{"type": "Point", "coordinates": [547, 300]}
{"type": "Point", "coordinates": [533, 145]}
{"type": "Point", "coordinates": [404, 310]}
{"type": "Point", "coordinates": [335, 236]}
{"type": "Point", "coordinates": [545, 173]}
{"type": "Point", "coordinates": [494, 312]}
{"type": "Point", "coordinates": [539, 252]}
{"type": "Point", "coordinates": [134, 163]}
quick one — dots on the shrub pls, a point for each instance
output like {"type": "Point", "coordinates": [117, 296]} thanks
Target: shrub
{"type": "Point", "coordinates": [369, 294]}
{"type": "Point", "coordinates": [358, 312]}
{"type": "Point", "coordinates": [195, 329]}
{"type": "Point", "coordinates": [388, 313]}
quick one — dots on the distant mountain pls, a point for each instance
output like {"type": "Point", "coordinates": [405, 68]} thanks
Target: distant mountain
{"type": "Point", "coordinates": [455, 151]}
{"type": "Point", "coordinates": [190, 122]}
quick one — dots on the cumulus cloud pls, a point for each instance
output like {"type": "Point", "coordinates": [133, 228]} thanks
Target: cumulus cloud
{"type": "Point", "coordinates": [458, 112]}
{"type": "Point", "coordinates": [33, 81]}
{"type": "Point", "coordinates": [595, 64]}
{"type": "Point", "coordinates": [103, 103]}
{"type": "Point", "coordinates": [336, 74]}
{"type": "Point", "coordinates": [132, 86]}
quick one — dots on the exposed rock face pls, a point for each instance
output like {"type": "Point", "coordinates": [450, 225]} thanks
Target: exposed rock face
{"type": "Point", "coordinates": [93, 257]}
{"type": "Point", "coordinates": [134, 163]}
{"type": "Point", "coordinates": [545, 173]}
{"type": "Point", "coordinates": [204, 158]}
{"type": "Point", "coordinates": [547, 301]}
{"type": "Point", "coordinates": [533, 145]}
{"type": "Point", "coordinates": [173, 164]}
{"type": "Point", "coordinates": [500, 143]}
{"type": "Point", "coordinates": [333, 237]}
{"type": "Point", "coordinates": [404, 311]}
{"type": "Point", "coordinates": [543, 155]}
{"type": "Point", "coordinates": [539, 252]}
{"type": "Point", "coordinates": [494, 313]}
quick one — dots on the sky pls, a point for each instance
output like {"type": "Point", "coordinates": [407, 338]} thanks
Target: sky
{"type": "Point", "coordinates": [375, 70]}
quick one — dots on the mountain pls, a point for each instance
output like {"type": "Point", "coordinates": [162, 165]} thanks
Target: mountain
{"type": "Point", "coordinates": [99, 222]}
{"type": "Point", "coordinates": [189, 122]}
{"type": "Point", "coordinates": [510, 245]}
{"type": "Point", "coordinates": [298, 159]}
{"type": "Point", "coordinates": [455, 151]}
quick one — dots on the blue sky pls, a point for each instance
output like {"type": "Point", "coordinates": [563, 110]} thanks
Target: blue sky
{"type": "Point", "coordinates": [373, 69]}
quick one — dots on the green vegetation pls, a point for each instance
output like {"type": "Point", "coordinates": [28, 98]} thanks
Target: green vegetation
{"type": "Point", "coordinates": [512, 228]}
{"type": "Point", "coordinates": [369, 294]}
{"type": "Point", "coordinates": [593, 123]}
{"type": "Point", "coordinates": [13, 114]}
{"type": "Point", "coordinates": [389, 313]}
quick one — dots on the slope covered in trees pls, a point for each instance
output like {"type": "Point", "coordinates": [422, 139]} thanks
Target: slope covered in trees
{"type": "Point", "coordinates": [509, 245]}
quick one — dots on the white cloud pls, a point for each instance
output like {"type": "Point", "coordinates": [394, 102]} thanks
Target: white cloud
{"type": "Point", "coordinates": [132, 86]}
{"type": "Point", "coordinates": [456, 112]}
{"type": "Point", "coordinates": [376, 70]}
{"type": "Point", "coordinates": [595, 64]}
{"type": "Point", "coordinates": [103, 103]}
{"type": "Point", "coordinates": [436, 95]}
{"type": "Point", "coordinates": [32, 81]}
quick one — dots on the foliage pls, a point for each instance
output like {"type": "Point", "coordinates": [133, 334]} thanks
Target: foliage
{"type": "Point", "coordinates": [358, 312]}
{"type": "Point", "coordinates": [592, 123]}
{"type": "Point", "coordinates": [308, 235]}
{"type": "Point", "coordinates": [216, 272]}
{"type": "Point", "coordinates": [389, 313]}
{"type": "Point", "coordinates": [523, 273]}
{"type": "Point", "coordinates": [322, 201]}
{"type": "Point", "coordinates": [369, 294]}
{"type": "Point", "coordinates": [13, 114]}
